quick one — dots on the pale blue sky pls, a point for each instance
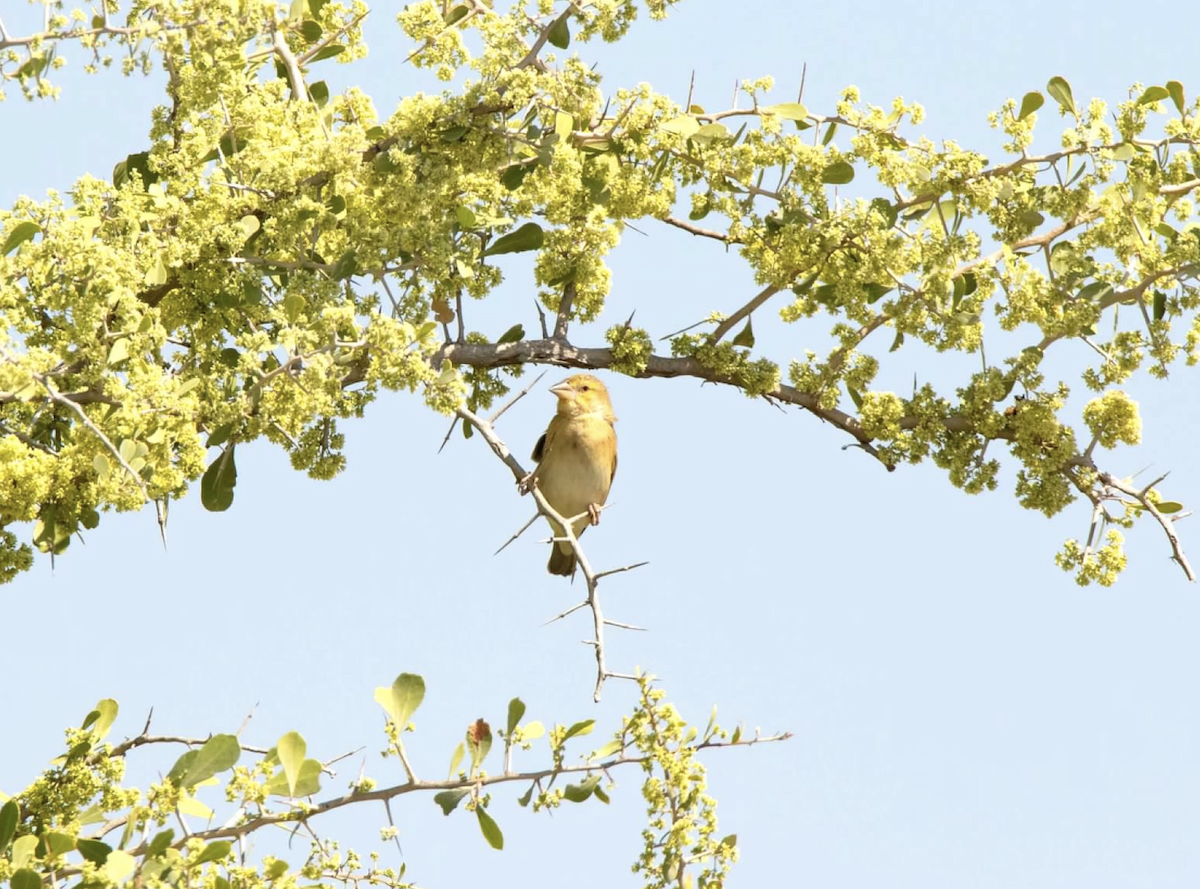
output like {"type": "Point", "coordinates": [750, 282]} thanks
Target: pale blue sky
{"type": "Point", "coordinates": [965, 716]}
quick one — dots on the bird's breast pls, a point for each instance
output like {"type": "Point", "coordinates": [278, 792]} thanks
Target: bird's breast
{"type": "Point", "coordinates": [577, 469]}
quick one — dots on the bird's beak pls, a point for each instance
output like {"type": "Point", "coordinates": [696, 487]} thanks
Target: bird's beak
{"type": "Point", "coordinates": [563, 391]}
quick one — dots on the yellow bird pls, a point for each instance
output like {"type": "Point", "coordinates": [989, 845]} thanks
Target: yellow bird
{"type": "Point", "coordinates": [576, 460]}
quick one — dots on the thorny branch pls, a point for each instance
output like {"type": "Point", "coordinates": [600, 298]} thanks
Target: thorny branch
{"type": "Point", "coordinates": [592, 579]}
{"type": "Point", "coordinates": [304, 815]}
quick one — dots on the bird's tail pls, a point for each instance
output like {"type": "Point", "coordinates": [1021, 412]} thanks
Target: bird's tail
{"type": "Point", "coordinates": [562, 560]}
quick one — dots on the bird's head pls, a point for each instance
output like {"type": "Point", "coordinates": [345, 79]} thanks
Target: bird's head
{"type": "Point", "coordinates": [583, 395]}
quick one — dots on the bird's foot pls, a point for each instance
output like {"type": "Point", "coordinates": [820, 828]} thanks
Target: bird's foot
{"type": "Point", "coordinates": [525, 485]}
{"type": "Point", "coordinates": [594, 513]}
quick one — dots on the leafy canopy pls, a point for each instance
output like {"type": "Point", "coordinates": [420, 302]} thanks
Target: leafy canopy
{"type": "Point", "coordinates": [276, 254]}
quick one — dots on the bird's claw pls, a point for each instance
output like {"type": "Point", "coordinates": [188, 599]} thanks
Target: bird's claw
{"type": "Point", "coordinates": [525, 485]}
{"type": "Point", "coordinates": [594, 513]}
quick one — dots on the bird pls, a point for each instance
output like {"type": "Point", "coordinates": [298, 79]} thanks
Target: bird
{"type": "Point", "coordinates": [576, 461]}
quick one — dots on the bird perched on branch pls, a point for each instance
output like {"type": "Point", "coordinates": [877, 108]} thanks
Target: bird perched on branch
{"type": "Point", "coordinates": [576, 460]}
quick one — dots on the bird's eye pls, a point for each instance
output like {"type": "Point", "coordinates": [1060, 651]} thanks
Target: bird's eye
{"type": "Point", "coordinates": [585, 387]}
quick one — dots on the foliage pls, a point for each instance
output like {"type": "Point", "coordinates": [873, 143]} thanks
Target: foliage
{"type": "Point", "coordinates": [79, 823]}
{"type": "Point", "coordinates": [278, 254]}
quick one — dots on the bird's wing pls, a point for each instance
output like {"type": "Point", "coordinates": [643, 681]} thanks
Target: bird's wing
{"type": "Point", "coordinates": [539, 449]}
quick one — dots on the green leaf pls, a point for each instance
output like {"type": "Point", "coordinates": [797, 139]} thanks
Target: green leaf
{"type": "Point", "coordinates": [249, 224]}
{"type": "Point", "coordinates": [838, 173]}
{"type": "Point", "coordinates": [94, 851]}
{"type": "Point", "coordinates": [214, 851]}
{"type": "Point", "coordinates": [528, 237]}
{"type": "Point", "coordinates": [118, 352]}
{"type": "Point", "coordinates": [578, 793]}
{"type": "Point", "coordinates": [1032, 218]}
{"type": "Point", "coordinates": [119, 865]}
{"type": "Point", "coordinates": [22, 232]}
{"type": "Point", "coordinates": [1166, 507]}
{"type": "Point", "coordinates": [745, 336]}
{"type": "Point", "coordinates": [449, 799]}
{"type": "Point", "coordinates": [9, 814]}
{"type": "Point", "coordinates": [1060, 91]}
{"type": "Point", "coordinates": [1153, 94]}
{"type": "Point", "coordinates": [293, 305]}
{"type": "Point", "coordinates": [1030, 103]}
{"type": "Point", "coordinates": [328, 52]}
{"type": "Point", "coordinates": [156, 275]}
{"type": "Point", "coordinates": [278, 868]}
{"type": "Point", "coordinates": [491, 830]}
{"type": "Point", "coordinates": [291, 749]}
{"type": "Point", "coordinates": [26, 879]}
{"type": "Point", "coordinates": [533, 730]}
{"type": "Point", "coordinates": [516, 707]}
{"type": "Point", "coordinates": [102, 466]}
{"type": "Point", "coordinates": [1160, 305]}
{"type": "Point", "coordinates": [581, 728]}
{"type": "Point", "coordinates": [829, 132]}
{"type": "Point", "coordinates": [311, 31]}
{"type": "Point", "coordinates": [456, 760]}
{"type": "Point", "coordinates": [456, 14]}
{"type": "Point", "coordinates": [855, 397]}
{"type": "Point", "coordinates": [729, 841]}
{"type": "Point", "coordinates": [219, 436]}
{"type": "Point", "coordinates": [453, 134]}
{"type": "Point", "coordinates": [885, 209]}
{"type": "Point", "coordinates": [346, 266]}
{"type": "Point", "coordinates": [108, 714]}
{"type": "Point", "coordinates": [711, 131]}
{"type": "Point", "coordinates": [1095, 290]}
{"type": "Point", "coordinates": [787, 110]}
{"type": "Point", "coordinates": [308, 781]}
{"type": "Point", "coordinates": [57, 843]}
{"type": "Point", "coordinates": [515, 175]}
{"type": "Point", "coordinates": [315, 7]}
{"type": "Point", "coordinates": [610, 749]}
{"type": "Point", "coordinates": [1175, 88]}
{"type": "Point", "coordinates": [402, 699]}
{"type": "Point", "coordinates": [465, 216]}
{"type": "Point", "coordinates": [514, 334]}
{"type": "Point", "coordinates": [684, 125]}
{"type": "Point", "coordinates": [218, 482]}
{"type": "Point", "coordinates": [220, 752]}
{"type": "Point", "coordinates": [319, 92]}
{"type": "Point", "coordinates": [876, 292]}
{"type": "Point", "coordinates": [140, 163]}
{"type": "Point", "coordinates": [559, 34]}
{"type": "Point", "coordinates": [898, 341]}
{"type": "Point", "coordinates": [23, 849]}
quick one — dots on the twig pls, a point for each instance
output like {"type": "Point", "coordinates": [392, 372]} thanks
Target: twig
{"type": "Point", "coordinates": [1142, 496]}
{"type": "Point", "coordinates": [564, 311]}
{"type": "Point", "coordinates": [524, 528]}
{"type": "Point", "coordinates": [449, 432]}
{"type": "Point", "coordinates": [698, 231]}
{"type": "Point", "coordinates": [58, 398]}
{"type": "Point", "coordinates": [725, 326]}
{"type": "Point", "coordinates": [500, 413]}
